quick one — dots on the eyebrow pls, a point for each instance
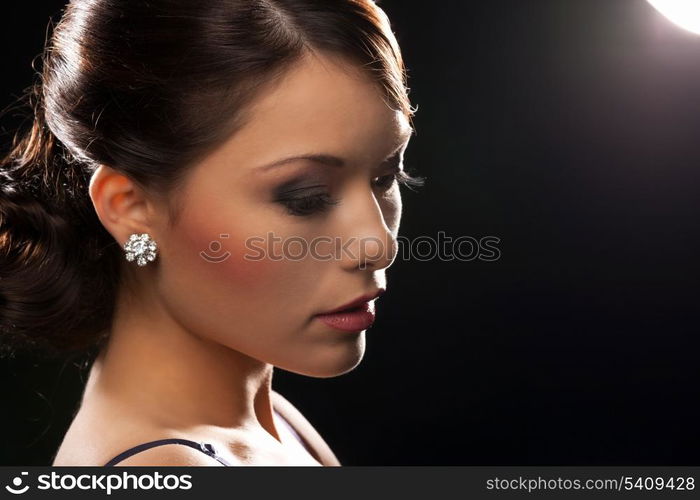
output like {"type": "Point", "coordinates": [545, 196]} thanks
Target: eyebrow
{"type": "Point", "coordinates": [330, 160]}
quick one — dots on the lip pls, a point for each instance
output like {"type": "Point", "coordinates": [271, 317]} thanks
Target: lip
{"type": "Point", "coordinates": [354, 316]}
{"type": "Point", "coordinates": [357, 302]}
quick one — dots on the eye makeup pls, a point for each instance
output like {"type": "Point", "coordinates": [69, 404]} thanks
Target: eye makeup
{"type": "Point", "coordinates": [308, 194]}
{"type": "Point", "coordinates": [303, 195]}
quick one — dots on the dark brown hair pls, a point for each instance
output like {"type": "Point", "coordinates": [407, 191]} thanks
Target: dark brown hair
{"type": "Point", "coordinates": [139, 86]}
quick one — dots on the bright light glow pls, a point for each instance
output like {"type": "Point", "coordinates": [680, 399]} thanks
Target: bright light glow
{"type": "Point", "coordinates": [684, 13]}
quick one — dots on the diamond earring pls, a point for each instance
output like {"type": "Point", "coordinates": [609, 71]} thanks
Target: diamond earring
{"type": "Point", "coordinates": [142, 248]}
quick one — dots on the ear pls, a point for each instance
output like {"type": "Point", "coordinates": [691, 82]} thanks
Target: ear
{"type": "Point", "coordinates": [121, 205]}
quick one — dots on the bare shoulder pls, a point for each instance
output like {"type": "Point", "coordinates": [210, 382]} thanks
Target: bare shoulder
{"type": "Point", "coordinates": [170, 455]}
{"type": "Point", "coordinates": [308, 433]}
{"type": "Point", "coordinates": [99, 453]}
{"type": "Point", "coordinates": [89, 442]}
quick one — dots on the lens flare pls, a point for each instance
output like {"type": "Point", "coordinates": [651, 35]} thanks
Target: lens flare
{"type": "Point", "coordinates": [684, 13]}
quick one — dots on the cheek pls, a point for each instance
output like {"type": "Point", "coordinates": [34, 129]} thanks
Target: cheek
{"type": "Point", "coordinates": [229, 256]}
{"type": "Point", "coordinates": [214, 251]}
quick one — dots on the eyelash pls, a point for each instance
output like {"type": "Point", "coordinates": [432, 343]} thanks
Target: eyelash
{"type": "Point", "coordinates": [403, 178]}
{"type": "Point", "coordinates": [317, 203]}
{"type": "Point", "coordinates": [308, 205]}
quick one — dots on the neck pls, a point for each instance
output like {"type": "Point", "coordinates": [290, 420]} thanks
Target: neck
{"type": "Point", "coordinates": [176, 378]}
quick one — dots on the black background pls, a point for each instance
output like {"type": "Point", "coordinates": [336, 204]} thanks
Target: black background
{"type": "Point", "coordinates": [569, 130]}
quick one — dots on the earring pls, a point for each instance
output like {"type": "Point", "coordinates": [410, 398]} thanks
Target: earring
{"type": "Point", "coordinates": [142, 248]}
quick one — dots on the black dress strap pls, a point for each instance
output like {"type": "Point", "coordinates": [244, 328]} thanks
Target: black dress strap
{"type": "Point", "coordinates": [203, 447]}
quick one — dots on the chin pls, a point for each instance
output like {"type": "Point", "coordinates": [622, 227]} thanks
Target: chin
{"type": "Point", "coordinates": [331, 361]}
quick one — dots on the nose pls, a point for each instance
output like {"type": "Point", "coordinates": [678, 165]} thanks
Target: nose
{"type": "Point", "coordinates": [368, 241]}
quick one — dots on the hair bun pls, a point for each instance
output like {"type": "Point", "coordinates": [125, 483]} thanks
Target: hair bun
{"type": "Point", "coordinates": [49, 276]}
{"type": "Point", "coordinates": [54, 293]}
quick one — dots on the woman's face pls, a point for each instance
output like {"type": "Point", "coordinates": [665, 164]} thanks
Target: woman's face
{"type": "Point", "coordinates": [234, 268]}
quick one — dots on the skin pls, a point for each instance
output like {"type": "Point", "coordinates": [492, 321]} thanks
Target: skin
{"type": "Point", "coordinates": [194, 341]}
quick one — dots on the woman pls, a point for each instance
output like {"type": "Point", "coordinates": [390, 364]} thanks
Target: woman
{"type": "Point", "coordinates": [204, 185]}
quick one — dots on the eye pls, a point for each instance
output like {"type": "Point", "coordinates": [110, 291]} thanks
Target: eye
{"type": "Point", "coordinates": [400, 176]}
{"type": "Point", "coordinates": [307, 205]}
{"type": "Point", "coordinates": [386, 181]}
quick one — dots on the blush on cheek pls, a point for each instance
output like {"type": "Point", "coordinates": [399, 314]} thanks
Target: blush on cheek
{"type": "Point", "coordinates": [248, 269]}
{"type": "Point", "coordinates": [223, 255]}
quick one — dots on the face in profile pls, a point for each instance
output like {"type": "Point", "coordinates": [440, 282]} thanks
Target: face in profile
{"type": "Point", "coordinates": [233, 268]}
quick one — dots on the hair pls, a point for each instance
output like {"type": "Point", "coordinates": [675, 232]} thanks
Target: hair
{"type": "Point", "coordinates": [138, 86]}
